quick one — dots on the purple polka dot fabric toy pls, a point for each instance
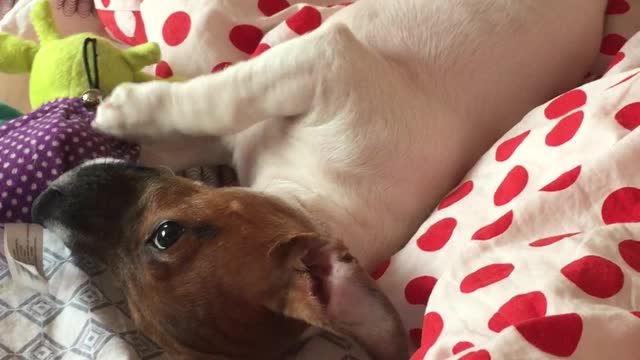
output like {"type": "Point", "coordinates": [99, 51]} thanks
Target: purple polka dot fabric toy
{"type": "Point", "coordinates": [37, 148]}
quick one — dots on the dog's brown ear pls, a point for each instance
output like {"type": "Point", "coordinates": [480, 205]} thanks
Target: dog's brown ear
{"type": "Point", "coordinates": [327, 288]}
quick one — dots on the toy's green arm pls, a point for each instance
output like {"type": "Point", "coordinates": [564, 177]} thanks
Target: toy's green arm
{"type": "Point", "coordinates": [44, 22]}
{"type": "Point", "coordinates": [16, 55]}
{"type": "Point", "coordinates": [142, 55]}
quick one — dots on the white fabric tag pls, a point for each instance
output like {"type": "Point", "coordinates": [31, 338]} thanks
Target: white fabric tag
{"type": "Point", "coordinates": [23, 248]}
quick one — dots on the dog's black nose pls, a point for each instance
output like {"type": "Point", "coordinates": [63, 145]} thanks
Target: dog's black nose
{"type": "Point", "coordinates": [93, 197]}
{"type": "Point", "coordinates": [46, 205]}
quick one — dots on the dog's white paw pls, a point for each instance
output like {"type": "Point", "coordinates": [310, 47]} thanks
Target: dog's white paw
{"type": "Point", "coordinates": [135, 111]}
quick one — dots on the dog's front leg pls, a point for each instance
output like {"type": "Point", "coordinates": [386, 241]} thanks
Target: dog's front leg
{"type": "Point", "coordinates": [283, 82]}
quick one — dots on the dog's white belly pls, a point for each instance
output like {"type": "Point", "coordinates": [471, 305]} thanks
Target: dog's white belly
{"type": "Point", "coordinates": [372, 167]}
{"type": "Point", "coordinates": [371, 194]}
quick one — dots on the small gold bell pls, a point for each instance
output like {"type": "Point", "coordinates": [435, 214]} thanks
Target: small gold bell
{"type": "Point", "coordinates": [91, 97]}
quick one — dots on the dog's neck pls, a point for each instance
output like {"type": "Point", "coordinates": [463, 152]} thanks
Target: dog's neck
{"type": "Point", "coordinates": [330, 217]}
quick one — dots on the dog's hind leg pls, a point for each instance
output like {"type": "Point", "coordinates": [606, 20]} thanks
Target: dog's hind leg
{"type": "Point", "coordinates": [285, 81]}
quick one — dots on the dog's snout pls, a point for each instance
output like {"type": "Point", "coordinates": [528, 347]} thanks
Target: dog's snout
{"type": "Point", "coordinates": [91, 198]}
{"type": "Point", "coordinates": [46, 204]}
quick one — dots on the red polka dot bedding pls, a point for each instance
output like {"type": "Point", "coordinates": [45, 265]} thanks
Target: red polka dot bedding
{"type": "Point", "coordinates": [534, 255]}
{"type": "Point", "coordinates": [211, 30]}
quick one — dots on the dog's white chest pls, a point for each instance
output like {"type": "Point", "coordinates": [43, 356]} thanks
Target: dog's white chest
{"type": "Point", "coordinates": [361, 190]}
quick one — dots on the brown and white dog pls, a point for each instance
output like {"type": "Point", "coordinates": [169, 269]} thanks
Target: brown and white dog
{"type": "Point", "coordinates": [346, 138]}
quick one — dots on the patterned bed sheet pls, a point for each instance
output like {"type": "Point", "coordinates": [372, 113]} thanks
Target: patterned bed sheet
{"type": "Point", "coordinates": [81, 316]}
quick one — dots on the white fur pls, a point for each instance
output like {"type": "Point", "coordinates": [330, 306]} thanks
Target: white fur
{"type": "Point", "coordinates": [367, 122]}
{"type": "Point", "coordinates": [103, 160]}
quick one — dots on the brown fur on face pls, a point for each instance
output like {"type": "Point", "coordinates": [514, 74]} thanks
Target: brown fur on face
{"type": "Point", "coordinates": [221, 238]}
{"type": "Point", "coordinates": [247, 276]}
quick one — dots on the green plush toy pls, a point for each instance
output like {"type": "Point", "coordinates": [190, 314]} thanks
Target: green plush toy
{"type": "Point", "coordinates": [59, 67]}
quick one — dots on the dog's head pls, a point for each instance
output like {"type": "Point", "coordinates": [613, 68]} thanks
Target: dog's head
{"type": "Point", "coordinates": [217, 273]}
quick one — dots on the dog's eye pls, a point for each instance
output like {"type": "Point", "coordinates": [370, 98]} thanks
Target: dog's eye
{"type": "Point", "coordinates": [166, 235]}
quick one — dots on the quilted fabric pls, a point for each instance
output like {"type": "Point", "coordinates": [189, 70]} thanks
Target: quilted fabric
{"type": "Point", "coordinates": [82, 317]}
